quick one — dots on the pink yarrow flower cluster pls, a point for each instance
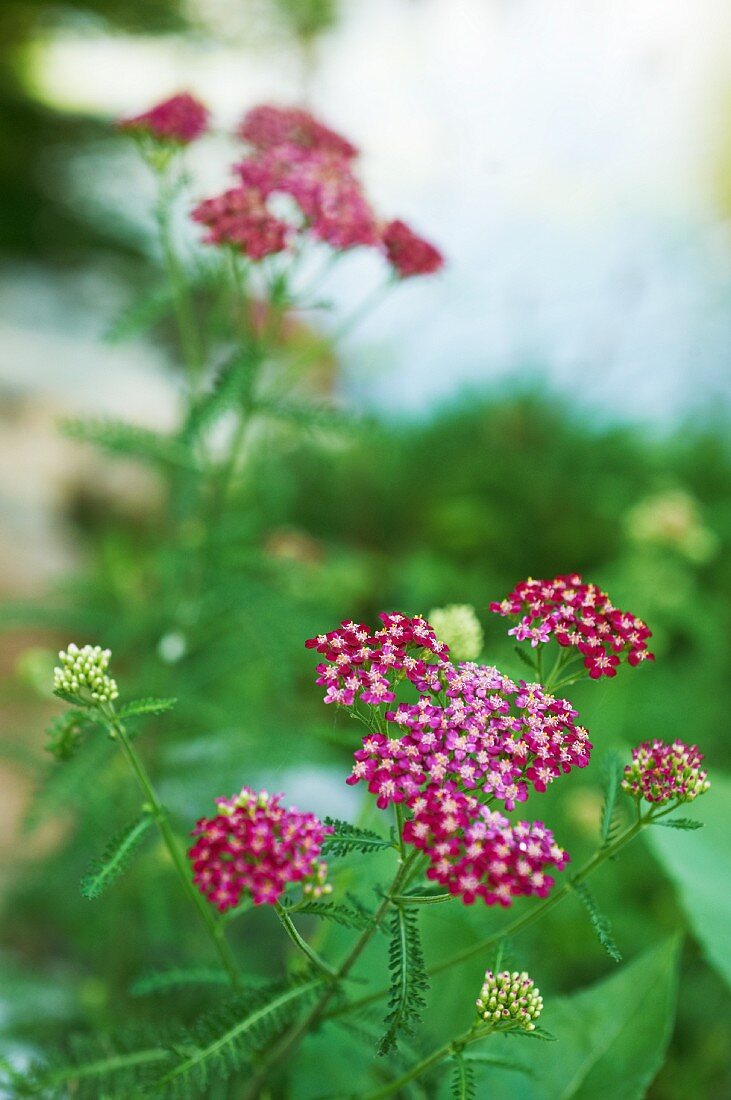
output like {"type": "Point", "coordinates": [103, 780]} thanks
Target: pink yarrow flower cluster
{"type": "Point", "coordinates": [408, 253]}
{"type": "Point", "coordinates": [180, 119]}
{"type": "Point", "coordinates": [240, 217]}
{"type": "Point", "coordinates": [476, 852]}
{"type": "Point", "coordinates": [256, 846]}
{"type": "Point", "coordinates": [579, 615]}
{"type": "Point", "coordinates": [266, 126]}
{"type": "Point", "coordinates": [360, 665]}
{"type": "Point", "coordinates": [491, 736]}
{"type": "Point", "coordinates": [662, 773]}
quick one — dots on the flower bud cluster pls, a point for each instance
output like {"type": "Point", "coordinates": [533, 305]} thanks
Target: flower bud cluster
{"type": "Point", "coordinates": [578, 615]}
{"type": "Point", "coordinates": [458, 626]}
{"type": "Point", "coordinates": [83, 672]}
{"type": "Point", "coordinates": [256, 846]}
{"type": "Point", "coordinates": [662, 773]}
{"type": "Point", "coordinates": [509, 1000]}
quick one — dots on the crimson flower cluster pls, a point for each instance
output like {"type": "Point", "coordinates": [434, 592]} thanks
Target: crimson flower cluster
{"type": "Point", "coordinates": [476, 853]}
{"type": "Point", "coordinates": [492, 735]}
{"type": "Point", "coordinates": [180, 119]}
{"type": "Point", "coordinates": [358, 663]}
{"type": "Point", "coordinates": [265, 127]}
{"type": "Point", "coordinates": [240, 217]}
{"type": "Point", "coordinates": [578, 615]}
{"type": "Point", "coordinates": [256, 846]}
{"type": "Point", "coordinates": [666, 773]}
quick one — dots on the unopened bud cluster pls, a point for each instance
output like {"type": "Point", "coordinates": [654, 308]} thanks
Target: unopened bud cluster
{"type": "Point", "coordinates": [83, 672]}
{"type": "Point", "coordinates": [317, 886]}
{"type": "Point", "coordinates": [509, 999]}
{"type": "Point", "coordinates": [458, 626]}
{"type": "Point", "coordinates": [662, 773]}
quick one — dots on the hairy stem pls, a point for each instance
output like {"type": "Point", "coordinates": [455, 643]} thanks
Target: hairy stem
{"type": "Point", "coordinates": [156, 809]}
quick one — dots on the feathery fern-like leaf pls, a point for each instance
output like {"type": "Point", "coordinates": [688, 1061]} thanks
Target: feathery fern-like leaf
{"type": "Point", "coordinates": [347, 838]}
{"type": "Point", "coordinates": [463, 1080]}
{"type": "Point", "coordinates": [339, 914]}
{"type": "Point", "coordinates": [146, 706]}
{"type": "Point", "coordinates": [92, 1067]}
{"type": "Point", "coordinates": [409, 979]}
{"type": "Point", "coordinates": [599, 922]}
{"type": "Point", "coordinates": [224, 1039]}
{"type": "Point", "coordinates": [523, 656]}
{"type": "Point", "coordinates": [165, 980]}
{"type": "Point", "coordinates": [679, 823]}
{"type": "Point", "coordinates": [67, 732]}
{"type": "Point", "coordinates": [132, 441]}
{"type": "Point", "coordinates": [498, 1062]}
{"type": "Point", "coordinates": [613, 769]}
{"type": "Point", "coordinates": [109, 866]}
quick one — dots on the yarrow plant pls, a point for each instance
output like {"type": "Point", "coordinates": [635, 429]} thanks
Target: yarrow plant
{"type": "Point", "coordinates": [454, 752]}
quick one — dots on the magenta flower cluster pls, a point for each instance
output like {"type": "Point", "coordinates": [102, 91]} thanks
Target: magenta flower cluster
{"type": "Point", "coordinates": [256, 846]}
{"type": "Point", "coordinates": [489, 735]}
{"type": "Point", "coordinates": [662, 773]}
{"type": "Point", "coordinates": [359, 665]}
{"type": "Point", "coordinates": [180, 119]}
{"type": "Point", "coordinates": [292, 155]}
{"type": "Point", "coordinates": [476, 852]}
{"type": "Point", "coordinates": [471, 733]}
{"type": "Point", "coordinates": [579, 615]}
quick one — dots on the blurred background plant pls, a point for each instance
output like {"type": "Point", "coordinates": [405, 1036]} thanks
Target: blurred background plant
{"type": "Point", "coordinates": [332, 517]}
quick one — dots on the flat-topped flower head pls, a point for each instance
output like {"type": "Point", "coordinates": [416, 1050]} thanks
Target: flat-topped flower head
{"type": "Point", "coordinates": [254, 846]}
{"type": "Point", "coordinates": [323, 185]}
{"type": "Point", "coordinates": [662, 773]}
{"type": "Point", "coordinates": [408, 253]}
{"type": "Point", "coordinates": [266, 126]}
{"type": "Point", "coordinates": [240, 218]}
{"type": "Point", "coordinates": [476, 728]}
{"type": "Point", "coordinates": [363, 665]}
{"type": "Point", "coordinates": [83, 674]}
{"type": "Point", "coordinates": [476, 852]}
{"type": "Point", "coordinates": [458, 626]}
{"type": "Point", "coordinates": [180, 119]}
{"type": "Point", "coordinates": [509, 1000]}
{"type": "Point", "coordinates": [578, 615]}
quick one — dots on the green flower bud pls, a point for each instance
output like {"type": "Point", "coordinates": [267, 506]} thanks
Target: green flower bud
{"type": "Point", "coordinates": [82, 673]}
{"type": "Point", "coordinates": [509, 1001]}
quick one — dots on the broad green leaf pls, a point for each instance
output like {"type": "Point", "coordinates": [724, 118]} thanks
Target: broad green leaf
{"type": "Point", "coordinates": [611, 1037]}
{"type": "Point", "coordinates": [699, 863]}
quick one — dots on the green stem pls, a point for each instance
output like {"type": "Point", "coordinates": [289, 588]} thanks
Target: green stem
{"type": "Point", "coordinates": [291, 1038]}
{"type": "Point", "coordinates": [155, 807]}
{"type": "Point", "coordinates": [189, 340]}
{"type": "Point", "coordinates": [453, 1047]}
{"type": "Point", "coordinates": [301, 943]}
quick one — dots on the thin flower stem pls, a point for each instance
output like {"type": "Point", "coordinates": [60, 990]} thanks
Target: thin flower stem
{"type": "Point", "coordinates": [453, 1047]}
{"type": "Point", "coordinates": [155, 807]}
{"type": "Point", "coordinates": [189, 339]}
{"type": "Point", "coordinates": [293, 1037]}
{"type": "Point", "coordinates": [301, 943]}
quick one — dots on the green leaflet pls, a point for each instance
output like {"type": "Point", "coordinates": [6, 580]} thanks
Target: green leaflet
{"type": "Point", "coordinates": [166, 980]}
{"type": "Point", "coordinates": [613, 768]}
{"type": "Point", "coordinates": [107, 869]}
{"type": "Point", "coordinates": [347, 838]}
{"type": "Point", "coordinates": [611, 1036]}
{"type": "Point", "coordinates": [409, 980]}
{"type": "Point", "coordinates": [699, 863]}
{"type": "Point", "coordinates": [340, 914]}
{"type": "Point", "coordinates": [146, 706]}
{"type": "Point", "coordinates": [687, 823]}
{"type": "Point", "coordinates": [599, 922]}
{"type": "Point", "coordinates": [463, 1080]}
{"type": "Point", "coordinates": [132, 441]}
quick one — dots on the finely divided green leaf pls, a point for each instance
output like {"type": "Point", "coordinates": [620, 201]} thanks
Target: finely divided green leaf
{"type": "Point", "coordinates": [599, 922]}
{"type": "Point", "coordinates": [340, 914]}
{"type": "Point", "coordinates": [111, 864]}
{"type": "Point", "coordinates": [146, 706]}
{"type": "Point", "coordinates": [409, 979]}
{"type": "Point", "coordinates": [67, 732]}
{"type": "Point", "coordinates": [166, 980]}
{"type": "Point", "coordinates": [463, 1080]}
{"type": "Point", "coordinates": [613, 769]}
{"type": "Point", "coordinates": [687, 823]}
{"type": "Point", "coordinates": [347, 838]}
{"type": "Point", "coordinates": [132, 441]}
{"type": "Point", "coordinates": [523, 656]}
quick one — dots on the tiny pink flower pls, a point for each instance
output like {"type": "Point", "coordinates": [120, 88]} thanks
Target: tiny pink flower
{"type": "Point", "coordinates": [180, 119]}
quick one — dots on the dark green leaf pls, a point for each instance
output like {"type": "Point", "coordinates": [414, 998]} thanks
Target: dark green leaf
{"type": "Point", "coordinates": [613, 769]}
{"type": "Point", "coordinates": [687, 823]}
{"type": "Point", "coordinates": [409, 979]}
{"type": "Point", "coordinates": [347, 838]}
{"type": "Point", "coordinates": [146, 706]}
{"type": "Point", "coordinates": [116, 857]}
{"type": "Point", "coordinates": [599, 922]}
